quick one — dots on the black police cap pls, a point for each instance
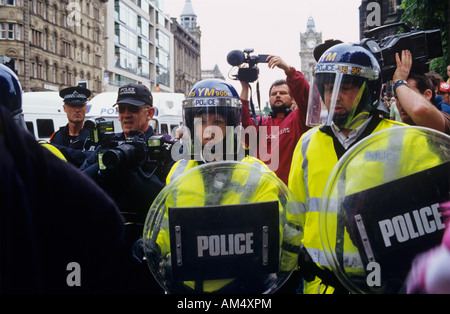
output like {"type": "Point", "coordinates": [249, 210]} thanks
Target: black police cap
{"type": "Point", "coordinates": [134, 94]}
{"type": "Point", "coordinates": [75, 95]}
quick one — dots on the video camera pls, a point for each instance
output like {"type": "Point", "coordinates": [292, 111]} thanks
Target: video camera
{"type": "Point", "coordinates": [100, 130]}
{"type": "Point", "coordinates": [250, 74]}
{"type": "Point", "coordinates": [127, 153]}
{"type": "Point", "coordinates": [423, 45]}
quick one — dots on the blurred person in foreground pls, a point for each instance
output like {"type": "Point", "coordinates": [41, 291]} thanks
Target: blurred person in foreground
{"type": "Point", "coordinates": [52, 216]}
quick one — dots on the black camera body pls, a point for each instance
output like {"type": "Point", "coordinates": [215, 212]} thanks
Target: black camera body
{"type": "Point", "coordinates": [135, 151]}
{"type": "Point", "coordinates": [423, 45]}
{"type": "Point", "coordinates": [127, 153]}
{"type": "Point", "coordinates": [250, 74]}
{"type": "Point", "coordinates": [100, 130]}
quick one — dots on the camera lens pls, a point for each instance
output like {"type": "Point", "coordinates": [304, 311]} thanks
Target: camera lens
{"type": "Point", "coordinates": [120, 156]}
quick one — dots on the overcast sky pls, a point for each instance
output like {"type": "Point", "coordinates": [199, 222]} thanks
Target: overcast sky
{"type": "Point", "coordinates": [270, 27]}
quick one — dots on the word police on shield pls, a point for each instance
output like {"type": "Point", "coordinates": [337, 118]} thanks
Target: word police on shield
{"type": "Point", "coordinates": [227, 241]}
{"type": "Point", "coordinates": [401, 224]}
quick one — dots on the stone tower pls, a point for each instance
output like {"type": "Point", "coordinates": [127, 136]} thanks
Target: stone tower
{"type": "Point", "coordinates": [308, 40]}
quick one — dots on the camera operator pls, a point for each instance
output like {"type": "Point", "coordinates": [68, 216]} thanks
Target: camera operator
{"type": "Point", "coordinates": [415, 101]}
{"type": "Point", "coordinates": [291, 122]}
{"type": "Point", "coordinates": [132, 184]}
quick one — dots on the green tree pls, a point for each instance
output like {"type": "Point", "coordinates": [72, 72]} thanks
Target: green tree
{"type": "Point", "coordinates": [428, 15]}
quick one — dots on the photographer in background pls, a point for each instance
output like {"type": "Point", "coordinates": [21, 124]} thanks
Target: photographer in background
{"type": "Point", "coordinates": [414, 96]}
{"type": "Point", "coordinates": [133, 184]}
{"type": "Point", "coordinates": [291, 123]}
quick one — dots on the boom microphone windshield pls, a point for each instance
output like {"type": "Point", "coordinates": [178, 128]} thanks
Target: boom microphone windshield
{"type": "Point", "coordinates": [235, 57]}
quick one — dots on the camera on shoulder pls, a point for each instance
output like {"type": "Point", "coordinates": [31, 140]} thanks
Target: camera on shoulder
{"type": "Point", "coordinates": [250, 74]}
{"type": "Point", "coordinates": [423, 45]}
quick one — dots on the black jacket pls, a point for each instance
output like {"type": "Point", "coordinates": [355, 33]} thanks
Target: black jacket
{"type": "Point", "coordinates": [72, 148]}
{"type": "Point", "coordinates": [51, 215]}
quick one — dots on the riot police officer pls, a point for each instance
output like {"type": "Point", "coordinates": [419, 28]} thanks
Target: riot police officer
{"type": "Point", "coordinates": [71, 139]}
{"type": "Point", "coordinates": [347, 79]}
{"type": "Point", "coordinates": [217, 172]}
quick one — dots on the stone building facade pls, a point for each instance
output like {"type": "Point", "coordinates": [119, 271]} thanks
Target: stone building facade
{"type": "Point", "coordinates": [54, 44]}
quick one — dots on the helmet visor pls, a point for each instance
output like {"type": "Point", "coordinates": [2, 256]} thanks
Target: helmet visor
{"type": "Point", "coordinates": [211, 130]}
{"type": "Point", "coordinates": [338, 98]}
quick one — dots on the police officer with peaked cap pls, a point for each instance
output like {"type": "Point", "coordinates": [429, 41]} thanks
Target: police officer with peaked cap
{"type": "Point", "coordinates": [70, 139]}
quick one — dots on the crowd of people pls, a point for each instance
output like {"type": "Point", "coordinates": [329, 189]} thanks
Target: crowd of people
{"type": "Point", "coordinates": [90, 206]}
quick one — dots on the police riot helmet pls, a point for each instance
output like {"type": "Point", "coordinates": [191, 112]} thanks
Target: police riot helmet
{"type": "Point", "coordinates": [11, 93]}
{"type": "Point", "coordinates": [380, 207]}
{"type": "Point", "coordinates": [215, 103]}
{"type": "Point", "coordinates": [347, 82]}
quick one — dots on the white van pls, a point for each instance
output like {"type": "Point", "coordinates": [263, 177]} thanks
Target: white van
{"type": "Point", "coordinates": [44, 113]}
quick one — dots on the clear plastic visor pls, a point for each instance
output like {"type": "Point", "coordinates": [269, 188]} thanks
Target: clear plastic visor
{"type": "Point", "coordinates": [211, 132]}
{"type": "Point", "coordinates": [337, 98]}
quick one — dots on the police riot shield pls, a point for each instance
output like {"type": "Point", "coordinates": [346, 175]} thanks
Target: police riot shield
{"type": "Point", "coordinates": [380, 207]}
{"type": "Point", "coordinates": [223, 227]}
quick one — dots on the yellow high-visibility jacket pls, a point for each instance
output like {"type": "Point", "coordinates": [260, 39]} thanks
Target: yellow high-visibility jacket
{"type": "Point", "coordinates": [248, 188]}
{"type": "Point", "coordinates": [314, 159]}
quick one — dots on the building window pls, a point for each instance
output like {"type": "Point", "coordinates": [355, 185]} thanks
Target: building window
{"type": "Point", "coordinates": [33, 69]}
{"type": "Point", "coordinates": [54, 42]}
{"type": "Point", "coordinates": [96, 14]}
{"type": "Point", "coordinates": [126, 60]}
{"type": "Point", "coordinates": [125, 14]}
{"type": "Point", "coordinates": [55, 10]}
{"type": "Point", "coordinates": [98, 60]}
{"type": "Point", "coordinates": [45, 74]}
{"type": "Point", "coordinates": [44, 10]}
{"type": "Point", "coordinates": [162, 40]}
{"type": "Point", "coordinates": [39, 71]}
{"type": "Point", "coordinates": [143, 27]}
{"type": "Point", "coordinates": [162, 76]}
{"type": "Point", "coordinates": [69, 76]}
{"type": "Point", "coordinates": [67, 50]}
{"type": "Point", "coordinates": [7, 2]}
{"type": "Point", "coordinates": [44, 39]}
{"type": "Point", "coordinates": [36, 38]}
{"type": "Point", "coordinates": [10, 31]}
{"type": "Point", "coordinates": [55, 70]}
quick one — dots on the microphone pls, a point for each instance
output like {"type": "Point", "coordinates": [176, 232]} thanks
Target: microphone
{"type": "Point", "coordinates": [235, 57]}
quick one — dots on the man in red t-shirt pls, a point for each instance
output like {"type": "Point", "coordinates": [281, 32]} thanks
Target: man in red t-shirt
{"type": "Point", "coordinates": [279, 133]}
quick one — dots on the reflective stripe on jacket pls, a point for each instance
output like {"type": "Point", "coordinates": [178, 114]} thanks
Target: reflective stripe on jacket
{"type": "Point", "coordinates": [314, 159]}
{"type": "Point", "coordinates": [246, 187]}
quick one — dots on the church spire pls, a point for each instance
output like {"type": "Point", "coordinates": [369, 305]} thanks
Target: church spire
{"type": "Point", "coordinates": [311, 26]}
{"type": "Point", "coordinates": [188, 16]}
